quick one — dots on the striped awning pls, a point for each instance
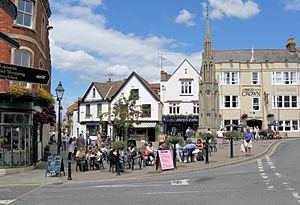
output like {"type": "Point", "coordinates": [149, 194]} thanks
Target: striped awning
{"type": "Point", "coordinates": [145, 125]}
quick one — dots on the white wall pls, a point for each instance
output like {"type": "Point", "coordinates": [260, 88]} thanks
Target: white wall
{"type": "Point", "coordinates": [144, 98]}
{"type": "Point", "coordinates": [171, 90]}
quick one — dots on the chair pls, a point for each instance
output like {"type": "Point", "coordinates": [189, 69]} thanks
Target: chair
{"type": "Point", "coordinates": [190, 155]}
{"type": "Point", "coordinates": [112, 163]}
{"type": "Point", "coordinates": [133, 160]}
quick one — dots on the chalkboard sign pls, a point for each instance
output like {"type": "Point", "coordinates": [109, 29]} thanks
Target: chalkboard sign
{"type": "Point", "coordinates": [55, 165]}
{"type": "Point", "coordinates": [165, 159]}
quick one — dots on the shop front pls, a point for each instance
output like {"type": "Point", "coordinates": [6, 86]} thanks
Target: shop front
{"type": "Point", "coordinates": [16, 134]}
{"type": "Point", "coordinates": [177, 125]}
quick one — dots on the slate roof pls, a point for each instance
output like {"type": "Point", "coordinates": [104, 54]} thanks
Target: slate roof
{"type": "Point", "coordinates": [109, 89]}
{"type": "Point", "coordinates": [73, 107]}
{"type": "Point", "coordinates": [260, 55]}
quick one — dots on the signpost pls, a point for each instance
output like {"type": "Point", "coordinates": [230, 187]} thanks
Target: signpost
{"type": "Point", "coordinates": [26, 74]}
{"type": "Point", "coordinates": [9, 7]}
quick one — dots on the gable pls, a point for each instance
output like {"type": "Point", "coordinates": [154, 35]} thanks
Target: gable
{"type": "Point", "coordinates": [134, 81]}
{"type": "Point", "coordinates": [92, 94]}
{"type": "Point", "coordinates": [184, 71]}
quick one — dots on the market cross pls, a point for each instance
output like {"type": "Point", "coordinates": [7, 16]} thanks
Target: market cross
{"type": "Point", "coordinates": [25, 74]}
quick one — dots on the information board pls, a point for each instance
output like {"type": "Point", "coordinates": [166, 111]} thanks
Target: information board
{"type": "Point", "coordinates": [165, 159]}
{"type": "Point", "coordinates": [55, 165]}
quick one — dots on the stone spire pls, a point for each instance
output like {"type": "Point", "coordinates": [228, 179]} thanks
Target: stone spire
{"type": "Point", "coordinates": [207, 42]}
{"type": "Point", "coordinates": [208, 87]}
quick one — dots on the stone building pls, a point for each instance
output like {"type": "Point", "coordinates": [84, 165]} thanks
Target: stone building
{"type": "Point", "coordinates": [256, 87]}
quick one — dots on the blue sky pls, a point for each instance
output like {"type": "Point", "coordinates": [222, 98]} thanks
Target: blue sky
{"type": "Point", "coordinates": [92, 39]}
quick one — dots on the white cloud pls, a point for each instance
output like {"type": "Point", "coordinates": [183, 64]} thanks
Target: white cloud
{"type": "Point", "coordinates": [92, 2]}
{"type": "Point", "coordinates": [92, 50]}
{"type": "Point", "coordinates": [232, 8]}
{"type": "Point", "coordinates": [292, 5]}
{"type": "Point", "coordinates": [185, 17]}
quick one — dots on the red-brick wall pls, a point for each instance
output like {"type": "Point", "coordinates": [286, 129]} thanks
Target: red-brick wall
{"type": "Point", "coordinates": [7, 26]}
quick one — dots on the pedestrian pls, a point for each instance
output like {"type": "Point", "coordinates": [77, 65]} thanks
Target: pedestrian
{"type": "Point", "coordinates": [188, 133]}
{"type": "Point", "coordinates": [71, 148]}
{"type": "Point", "coordinates": [162, 138]}
{"type": "Point", "coordinates": [64, 141]}
{"type": "Point", "coordinates": [80, 142]}
{"type": "Point", "coordinates": [220, 137]}
{"type": "Point", "coordinates": [248, 138]}
{"type": "Point", "coordinates": [257, 137]}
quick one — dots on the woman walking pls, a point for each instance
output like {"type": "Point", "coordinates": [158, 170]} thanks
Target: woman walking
{"type": "Point", "coordinates": [248, 138]}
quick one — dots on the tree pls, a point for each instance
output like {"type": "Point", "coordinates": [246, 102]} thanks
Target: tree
{"type": "Point", "coordinates": [125, 112]}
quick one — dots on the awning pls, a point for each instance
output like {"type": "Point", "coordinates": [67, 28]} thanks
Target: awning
{"type": "Point", "coordinates": [144, 125]}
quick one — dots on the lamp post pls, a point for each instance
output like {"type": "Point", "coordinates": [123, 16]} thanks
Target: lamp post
{"type": "Point", "coordinates": [59, 94]}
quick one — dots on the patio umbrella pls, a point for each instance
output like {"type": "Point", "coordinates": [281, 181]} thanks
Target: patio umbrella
{"type": "Point", "coordinates": [273, 123]}
{"type": "Point", "coordinates": [231, 125]}
{"type": "Point", "coordinates": [242, 126]}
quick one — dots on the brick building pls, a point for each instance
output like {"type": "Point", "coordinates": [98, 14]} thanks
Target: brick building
{"type": "Point", "coordinates": [30, 29]}
{"type": "Point", "coordinates": [22, 135]}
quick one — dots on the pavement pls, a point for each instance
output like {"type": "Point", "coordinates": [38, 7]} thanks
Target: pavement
{"type": "Point", "coordinates": [36, 177]}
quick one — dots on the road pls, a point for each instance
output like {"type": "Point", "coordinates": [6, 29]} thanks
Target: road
{"type": "Point", "coordinates": [270, 180]}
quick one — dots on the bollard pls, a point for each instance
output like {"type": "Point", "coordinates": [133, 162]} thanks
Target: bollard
{"type": "Point", "coordinates": [174, 156]}
{"type": "Point", "coordinates": [118, 163]}
{"type": "Point", "coordinates": [69, 170]}
{"type": "Point", "coordinates": [231, 147]}
{"type": "Point", "coordinates": [206, 150]}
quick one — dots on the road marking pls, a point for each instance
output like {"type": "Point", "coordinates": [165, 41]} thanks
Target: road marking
{"type": "Point", "coordinates": [285, 183]}
{"type": "Point", "coordinates": [290, 189]}
{"type": "Point", "coordinates": [277, 174]}
{"type": "Point", "coordinates": [296, 195]}
{"type": "Point", "coordinates": [183, 182]}
{"type": "Point", "coordinates": [5, 202]}
{"type": "Point", "coordinates": [128, 185]}
{"type": "Point", "coordinates": [173, 192]}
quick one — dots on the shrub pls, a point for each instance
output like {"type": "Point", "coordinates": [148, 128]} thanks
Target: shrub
{"type": "Point", "coordinates": [118, 145]}
{"type": "Point", "coordinates": [234, 134]}
{"type": "Point", "coordinates": [175, 140]}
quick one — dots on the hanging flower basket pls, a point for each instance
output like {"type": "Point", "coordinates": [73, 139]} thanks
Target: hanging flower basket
{"type": "Point", "coordinates": [244, 116]}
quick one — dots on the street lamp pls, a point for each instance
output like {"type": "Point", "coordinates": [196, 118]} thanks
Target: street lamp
{"type": "Point", "coordinates": [59, 95]}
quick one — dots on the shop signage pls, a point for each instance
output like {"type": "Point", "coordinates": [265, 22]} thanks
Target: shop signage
{"type": "Point", "coordinates": [165, 159]}
{"type": "Point", "coordinates": [179, 119]}
{"type": "Point", "coordinates": [26, 74]}
{"type": "Point", "coordinates": [250, 92]}
{"type": "Point", "coordinates": [9, 7]}
{"type": "Point", "coordinates": [55, 165]}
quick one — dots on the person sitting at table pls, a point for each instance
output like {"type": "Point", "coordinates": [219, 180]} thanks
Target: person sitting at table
{"type": "Point", "coordinates": [132, 150]}
{"type": "Point", "coordinates": [188, 150]}
{"type": "Point", "coordinates": [114, 159]}
{"type": "Point", "coordinates": [81, 159]}
{"type": "Point", "coordinates": [198, 151]}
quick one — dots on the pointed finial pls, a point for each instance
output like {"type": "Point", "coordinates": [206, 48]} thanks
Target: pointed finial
{"type": "Point", "coordinates": [207, 10]}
